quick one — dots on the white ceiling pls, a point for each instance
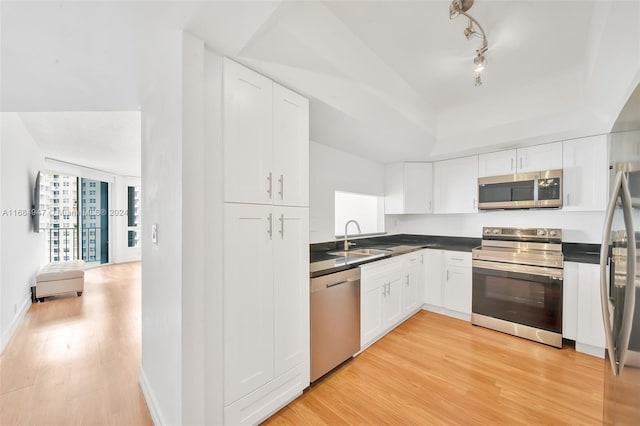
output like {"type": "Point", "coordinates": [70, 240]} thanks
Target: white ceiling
{"type": "Point", "coordinates": [107, 141]}
{"type": "Point", "coordinates": [388, 80]}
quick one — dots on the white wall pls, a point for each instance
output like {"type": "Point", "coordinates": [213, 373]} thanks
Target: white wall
{"type": "Point", "coordinates": [583, 227]}
{"type": "Point", "coordinates": [161, 370]}
{"type": "Point", "coordinates": [181, 372]}
{"type": "Point", "coordinates": [202, 397]}
{"type": "Point", "coordinates": [332, 170]}
{"type": "Point", "coordinates": [21, 250]}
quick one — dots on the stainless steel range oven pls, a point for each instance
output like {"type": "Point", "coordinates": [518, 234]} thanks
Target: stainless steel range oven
{"type": "Point", "coordinates": [517, 283]}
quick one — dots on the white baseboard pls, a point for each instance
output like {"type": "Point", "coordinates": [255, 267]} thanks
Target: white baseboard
{"type": "Point", "coordinates": [447, 312]}
{"type": "Point", "coordinates": [150, 398]}
{"type": "Point", "coordinates": [15, 322]}
{"type": "Point", "coordinates": [590, 350]}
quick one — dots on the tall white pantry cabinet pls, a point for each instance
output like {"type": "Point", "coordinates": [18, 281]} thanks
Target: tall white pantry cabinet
{"type": "Point", "coordinates": [266, 245]}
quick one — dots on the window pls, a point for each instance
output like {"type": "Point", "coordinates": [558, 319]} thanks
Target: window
{"type": "Point", "coordinates": [367, 210]}
{"type": "Point", "coordinates": [133, 215]}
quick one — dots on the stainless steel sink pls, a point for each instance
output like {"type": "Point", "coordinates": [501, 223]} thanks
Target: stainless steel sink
{"type": "Point", "coordinates": [360, 252]}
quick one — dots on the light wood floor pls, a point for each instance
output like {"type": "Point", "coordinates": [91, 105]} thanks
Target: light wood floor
{"type": "Point", "coordinates": [76, 360]}
{"type": "Point", "coordinates": [438, 370]}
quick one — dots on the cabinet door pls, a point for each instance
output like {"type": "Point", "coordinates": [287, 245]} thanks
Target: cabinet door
{"type": "Point", "coordinates": [458, 278]}
{"type": "Point", "coordinates": [410, 292]}
{"type": "Point", "coordinates": [290, 148]}
{"type": "Point", "coordinates": [497, 163]}
{"type": "Point", "coordinates": [540, 157]}
{"type": "Point", "coordinates": [570, 301]}
{"type": "Point", "coordinates": [392, 304]}
{"type": "Point", "coordinates": [418, 188]}
{"type": "Point", "coordinates": [248, 135]}
{"type": "Point", "coordinates": [585, 172]}
{"type": "Point", "coordinates": [248, 299]}
{"type": "Point", "coordinates": [291, 287]}
{"type": "Point", "coordinates": [433, 277]}
{"type": "Point", "coordinates": [590, 325]}
{"type": "Point", "coordinates": [455, 185]}
{"type": "Point", "coordinates": [371, 296]}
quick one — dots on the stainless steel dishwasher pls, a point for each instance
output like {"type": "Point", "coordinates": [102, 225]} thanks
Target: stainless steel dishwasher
{"type": "Point", "coordinates": [335, 320]}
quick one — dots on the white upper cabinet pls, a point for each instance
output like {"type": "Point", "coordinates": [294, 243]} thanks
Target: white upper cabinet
{"type": "Point", "coordinates": [530, 159]}
{"type": "Point", "coordinates": [266, 140]}
{"type": "Point", "coordinates": [585, 173]}
{"type": "Point", "coordinates": [539, 157]}
{"type": "Point", "coordinates": [408, 188]}
{"type": "Point", "coordinates": [455, 185]}
{"type": "Point", "coordinates": [290, 148]}
{"type": "Point", "coordinates": [497, 163]}
{"type": "Point", "coordinates": [248, 135]}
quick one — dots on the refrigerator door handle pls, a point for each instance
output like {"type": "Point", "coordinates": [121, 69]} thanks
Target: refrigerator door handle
{"type": "Point", "coordinates": [620, 189]}
{"type": "Point", "coordinates": [630, 290]}
{"type": "Point", "coordinates": [604, 256]}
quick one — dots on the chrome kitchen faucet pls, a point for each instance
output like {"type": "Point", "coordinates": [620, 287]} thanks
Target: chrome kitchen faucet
{"type": "Point", "coordinates": [346, 225]}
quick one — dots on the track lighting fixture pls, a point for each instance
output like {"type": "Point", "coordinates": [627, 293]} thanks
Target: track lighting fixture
{"type": "Point", "coordinates": [460, 7]}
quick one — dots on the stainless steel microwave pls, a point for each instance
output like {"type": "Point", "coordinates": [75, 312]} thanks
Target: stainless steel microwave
{"type": "Point", "coordinates": [521, 191]}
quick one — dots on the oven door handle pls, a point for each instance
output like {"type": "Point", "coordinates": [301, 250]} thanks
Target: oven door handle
{"type": "Point", "coordinates": [618, 349]}
{"type": "Point", "coordinates": [540, 271]}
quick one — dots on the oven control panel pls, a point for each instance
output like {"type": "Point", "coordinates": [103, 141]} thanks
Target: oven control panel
{"type": "Point", "coordinates": [522, 234]}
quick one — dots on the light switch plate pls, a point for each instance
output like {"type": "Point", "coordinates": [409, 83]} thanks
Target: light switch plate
{"type": "Point", "coordinates": [154, 233]}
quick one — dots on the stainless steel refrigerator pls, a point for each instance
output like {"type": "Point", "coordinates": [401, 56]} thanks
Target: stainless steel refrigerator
{"type": "Point", "coordinates": [620, 271]}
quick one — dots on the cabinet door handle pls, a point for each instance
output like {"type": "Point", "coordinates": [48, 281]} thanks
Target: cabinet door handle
{"type": "Point", "coordinates": [429, 208]}
{"type": "Point", "coordinates": [521, 162]}
{"type": "Point", "coordinates": [270, 229]}
{"type": "Point", "coordinates": [511, 164]}
{"type": "Point", "coordinates": [281, 180]}
{"type": "Point", "coordinates": [407, 282]}
{"type": "Point", "coordinates": [281, 226]}
{"type": "Point", "coordinates": [270, 187]}
{"type": "Point", "coordinates": [447, 275]}
{"type": "Point", "coordinates": [568, 198]}
{"type": "Point", "coordinates": [457, 258]}
{"type": "Point", "coordinates": [474, 203]}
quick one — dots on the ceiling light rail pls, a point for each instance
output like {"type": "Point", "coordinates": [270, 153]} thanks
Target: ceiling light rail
{"type": "Point", "coordinates": [460, 7]}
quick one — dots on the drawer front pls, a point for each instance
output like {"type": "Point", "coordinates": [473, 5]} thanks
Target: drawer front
{"type": "Point", "coordinates": [457, 258]}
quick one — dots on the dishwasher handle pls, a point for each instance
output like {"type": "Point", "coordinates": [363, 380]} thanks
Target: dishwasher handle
{"type": "Point", "coordinates": [351, 276]}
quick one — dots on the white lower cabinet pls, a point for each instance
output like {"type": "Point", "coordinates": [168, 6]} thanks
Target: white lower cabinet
{"type": "Point", "coordinates": [433, 267]}
{"type": "Point", "coordinates": [457, 282]}
{"type": "Point", "coordinates": [448, 278]}
{"type": "Point", "coordinates": [413, 285]}
{"type": "Point", "coordinates": [266, 309]}
{"type": "Point", "coordinates": [390, 292]}
{"type": "Point", "coordinates": [581, 308]}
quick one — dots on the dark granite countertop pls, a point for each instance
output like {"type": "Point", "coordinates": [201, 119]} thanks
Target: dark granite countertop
{"type": "Point", "coordinates": [322, 263]}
